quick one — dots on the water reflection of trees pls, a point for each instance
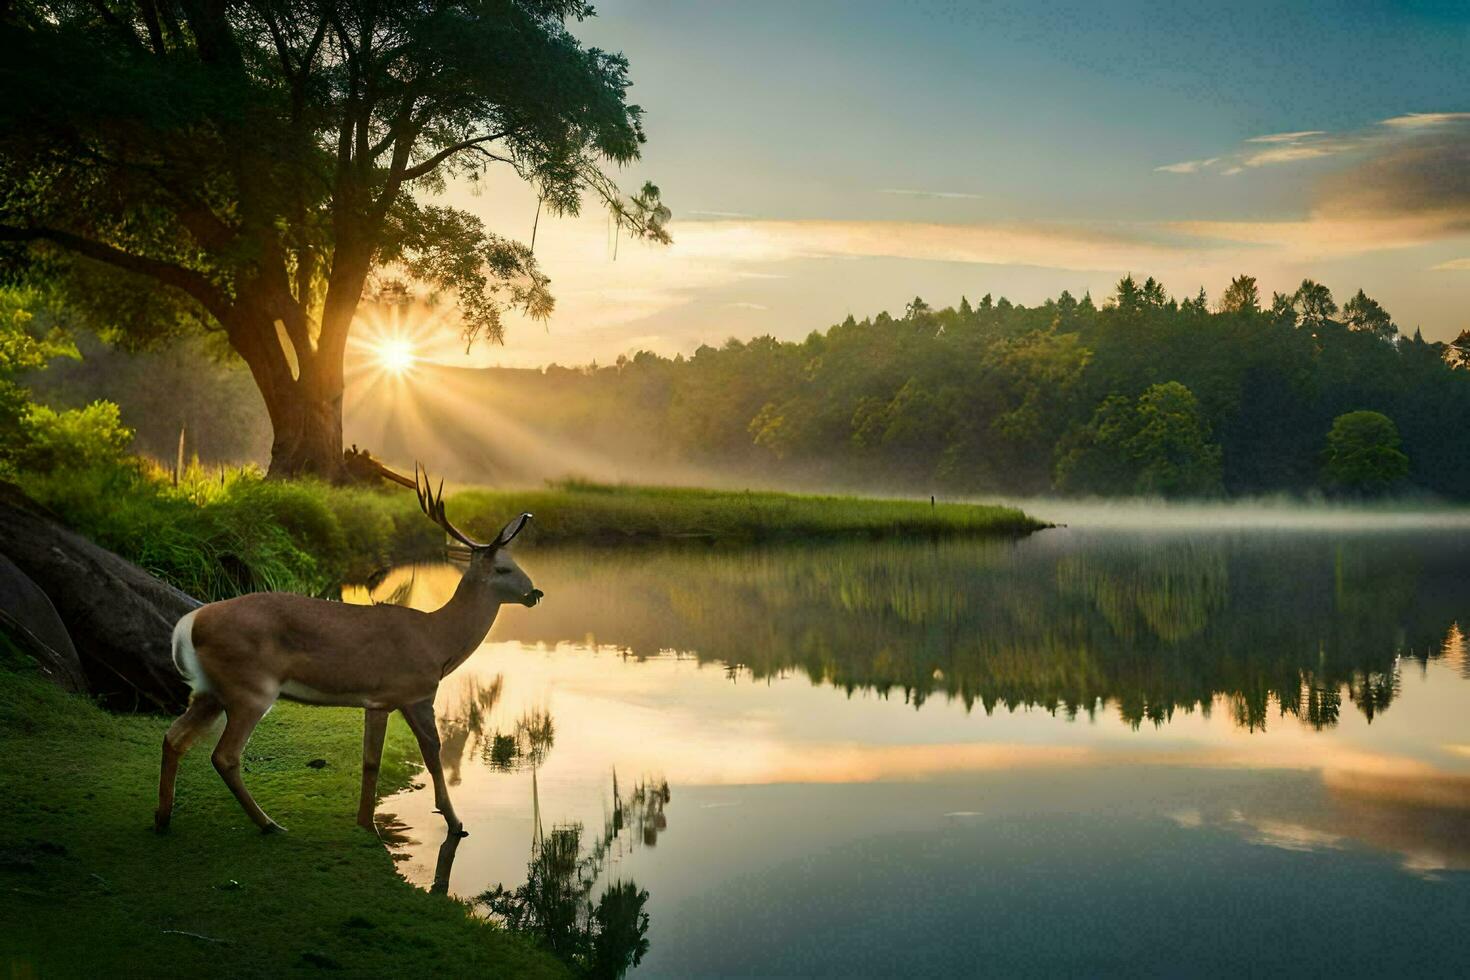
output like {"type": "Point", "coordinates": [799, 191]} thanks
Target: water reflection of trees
{"type": "Point", "coordinates": [601, 939]}
{"type": "Point", "coordinates": [467, 727]}
{"type": "Point", "coordinates": [1274, 625]}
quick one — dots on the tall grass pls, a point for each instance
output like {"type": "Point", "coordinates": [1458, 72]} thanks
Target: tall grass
{"type": "Point", "coordinates": [219, 533]}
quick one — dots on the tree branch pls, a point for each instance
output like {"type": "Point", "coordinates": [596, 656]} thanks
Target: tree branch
{"type": "Point", "coordinates": [419, 170]}
{"type": "Point", "coordinates": [189, 281]}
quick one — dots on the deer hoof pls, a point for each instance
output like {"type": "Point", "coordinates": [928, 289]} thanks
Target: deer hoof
{"type": "Point", "coordinates": [160, 823]}
{"type": "Point", "coordinates": [272, 828]}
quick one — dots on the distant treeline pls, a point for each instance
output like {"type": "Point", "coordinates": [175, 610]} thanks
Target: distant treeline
{"type": "Point", "coordinates": [1143, 394]}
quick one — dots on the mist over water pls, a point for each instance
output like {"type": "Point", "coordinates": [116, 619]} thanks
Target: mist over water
{"type": "Point", "coordinates": [1264, 514]}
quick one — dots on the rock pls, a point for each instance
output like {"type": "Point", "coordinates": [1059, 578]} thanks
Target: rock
{"type": "Point", "coordinates": [31, 620]}
{"type": "Point", "coordinates": [119, 617]}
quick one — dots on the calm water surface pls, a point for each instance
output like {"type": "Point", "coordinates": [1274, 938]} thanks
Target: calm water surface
{"type": "Point", "coordinates": [1086, 752]}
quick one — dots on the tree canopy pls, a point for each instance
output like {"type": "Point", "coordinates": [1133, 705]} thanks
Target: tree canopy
{"type": "Point", "coordinates": [1363, 452]}
{"type": "Point", "coordinates": [256, 167]}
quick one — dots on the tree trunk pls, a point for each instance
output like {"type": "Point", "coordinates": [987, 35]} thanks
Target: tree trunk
{"type": "Point", "coordinates": [308, 434]}
{"type": "Point", "coordinates": [302, 391]}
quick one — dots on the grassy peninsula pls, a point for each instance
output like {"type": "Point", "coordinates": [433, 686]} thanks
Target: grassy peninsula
{"type": "Point", "coordinates": [217, 533]}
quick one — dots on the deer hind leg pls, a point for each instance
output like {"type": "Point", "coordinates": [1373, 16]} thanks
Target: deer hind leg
{"type": "Point", "coordinates": [420, 717]}
{"type": "Point", "coordinates": [374, 727]}
{"type": "Point", "coordinates": [203, 709]}
{"type": "Point", "coordinates": [240, 720]}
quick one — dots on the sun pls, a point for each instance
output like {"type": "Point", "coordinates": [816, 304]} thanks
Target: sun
{"type": "Point", "coordinates": [396, 356]}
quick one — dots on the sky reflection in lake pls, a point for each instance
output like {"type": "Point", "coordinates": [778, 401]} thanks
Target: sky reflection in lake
{"type": "Point", "coordinates": [899, 757]}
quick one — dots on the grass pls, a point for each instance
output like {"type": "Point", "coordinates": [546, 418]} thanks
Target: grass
{"type": "Point", "coordinates": [220, 533]}
{"type": "Point", "coordinates": [582, 512]}
{"type": "Point", "coordinates": [87, 888]}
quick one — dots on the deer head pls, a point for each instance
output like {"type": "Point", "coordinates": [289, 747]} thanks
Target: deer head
{"type": "Point", "coordinates": [490, 564]}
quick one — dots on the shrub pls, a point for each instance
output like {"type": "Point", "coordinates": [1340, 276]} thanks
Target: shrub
{"type": "Point", "coordinates": [73, 438]}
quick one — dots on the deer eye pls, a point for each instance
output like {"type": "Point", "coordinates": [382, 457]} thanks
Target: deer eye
{"type": "Point", "coordinates": [502, 570]}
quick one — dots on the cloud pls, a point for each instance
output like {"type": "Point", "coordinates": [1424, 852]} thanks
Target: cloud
{"type": "Point", "coordinates": [761, 307]}
{"type": "Point", "coordinates": [1296, 137]}
{"type": "Point", "coordinates": [716, 214]}
{"type": "Point", "coordinates": [1454, 265]}
{"type": "Point", "coordinates": [1314, 144]}
{"type": "Point", "coordinates": [1291, 153]}
{"type": "Point", "coordinates": [936, 195]}
{"type": "Point", "coordinates": [1102, 247]}
{"type": "Point", "coordinates": [1187, 166]}
{"type": "Point", "coordinates": [1426, 177]}
{"type": "Point", "coordinates": [1419, 120]}
{"type": "Point", "coordinates": [1402, 192]}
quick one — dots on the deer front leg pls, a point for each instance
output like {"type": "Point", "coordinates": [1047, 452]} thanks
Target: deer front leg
{"type": "Point", "coordinates": [240, 720]}
{"type": "Point", "coordinates": [374, 728]}
{"type": "Point", "coordinates": [420, 717]}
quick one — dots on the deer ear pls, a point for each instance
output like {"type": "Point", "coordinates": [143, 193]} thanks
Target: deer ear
{"type": "Point", "coordinates": [510, 530]}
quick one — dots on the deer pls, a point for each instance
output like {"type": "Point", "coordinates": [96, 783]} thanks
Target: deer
{"type": "Point", "coordinates": [240, 655]}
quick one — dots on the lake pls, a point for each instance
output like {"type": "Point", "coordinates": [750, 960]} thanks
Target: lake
{"type": "Point", "coordinates": [1108, 751]}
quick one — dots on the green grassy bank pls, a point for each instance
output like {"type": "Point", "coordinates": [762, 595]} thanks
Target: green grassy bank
{"type": "Point", "coordinates": [580, 512]}
{"type": "Point", "coordinates": [217, 534]}
{"type": "Point", "coordinates": [87, 888]}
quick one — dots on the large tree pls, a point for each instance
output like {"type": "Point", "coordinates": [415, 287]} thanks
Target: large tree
{"type": "Point", "coordinates": [256, 167]}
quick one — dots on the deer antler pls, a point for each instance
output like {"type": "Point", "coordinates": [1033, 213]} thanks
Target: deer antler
{"type": "Point", "coordinates": [432, 504]}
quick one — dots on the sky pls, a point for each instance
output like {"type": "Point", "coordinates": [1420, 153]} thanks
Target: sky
{"type": "Point", "coordinates": [831, 158]}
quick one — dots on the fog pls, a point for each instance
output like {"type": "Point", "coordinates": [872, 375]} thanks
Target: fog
{"type": "Point", "coordinates": [1266, 513]}
{"type": "Point", "coordinates": [521, 429]}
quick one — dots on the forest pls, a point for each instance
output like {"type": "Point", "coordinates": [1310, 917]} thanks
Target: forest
{"type": "Point", "coordinates": [1141, 394]}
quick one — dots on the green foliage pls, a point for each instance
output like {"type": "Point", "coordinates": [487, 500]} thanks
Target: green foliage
{"type": "Point", "coordinates": [218, 534]}
{"type": "Point", "coordinates": [24, 345]}
{"type": "Point", "coordinates": [1158, 444]}
{"type": "Point", "coordinates": [79, 784]}
{"type": "Point", "coordinates": [244, 165]}
{"type": "Point", "coordinates": [1241, 296]}
{"type": "Point", "coordinates": [73, 438]}
{"type": "Point", "coordinates": [1363, 452]}
{"type": "Point", "coordinates": [1366, 315]}
{"type": "Point", "coordinates": [34, 436]}
{"type": "Point", "coordinates": [992, 397]}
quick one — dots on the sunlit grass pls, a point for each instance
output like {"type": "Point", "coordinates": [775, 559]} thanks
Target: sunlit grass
{"type": "Point", "coordinates": [580, 511]}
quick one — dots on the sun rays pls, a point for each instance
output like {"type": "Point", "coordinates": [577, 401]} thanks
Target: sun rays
{"type": "Point", "coordinates": [397, 355]}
